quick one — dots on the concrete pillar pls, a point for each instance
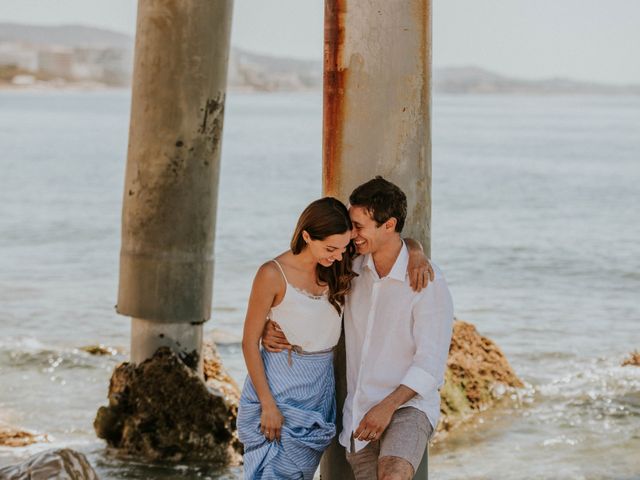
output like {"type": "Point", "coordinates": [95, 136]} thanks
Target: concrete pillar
{"type": "Point", "coordinates": [171, 184]}
{"type": "Point", "coordinates": [377, 114]}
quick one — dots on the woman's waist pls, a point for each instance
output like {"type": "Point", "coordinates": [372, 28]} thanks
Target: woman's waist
{"type": "Point", "coordinates": [298, 354]}
{"type": "Point", "coordinates": [297, 350]}
{"type": "Point", "coordinates": [300, 351]}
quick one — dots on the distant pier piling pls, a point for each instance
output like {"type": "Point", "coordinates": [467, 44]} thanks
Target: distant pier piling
{"type": "Point", "coordinates": [377, 121]}
{"type": "Point", "coordinates": [171, 184]}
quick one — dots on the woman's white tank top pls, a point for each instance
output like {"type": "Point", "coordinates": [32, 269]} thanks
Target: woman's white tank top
{"type": "Point", "coordinates": [308, 322]}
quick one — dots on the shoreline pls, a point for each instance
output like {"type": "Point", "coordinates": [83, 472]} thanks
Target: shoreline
{"type": "Point", "coordinates": [102, 87]}
{"type": "Point", "coordinates": [91, 87]}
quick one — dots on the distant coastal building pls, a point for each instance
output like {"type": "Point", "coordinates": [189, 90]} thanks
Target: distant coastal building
{"type": "Point", "coordinates": [87, 64]}
{"type": "Point", "coordinates": [117, 64]}
{"type": "Point", "coordinates": [24, 80]}
{"type": "Point", "coordinates": [18, 55]}
{"type": "Point", "coordinates": [57, 62]}
{"type": "Point", "coordinates": [113, 66]}
{"type": "Point", "coordinates": [109, 65]}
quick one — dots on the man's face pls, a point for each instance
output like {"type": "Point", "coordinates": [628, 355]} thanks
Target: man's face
{"type": "Point", "coordinates": [366, 233]}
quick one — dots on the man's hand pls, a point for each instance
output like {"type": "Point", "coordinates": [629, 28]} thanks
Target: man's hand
{"type": "Point", "coordinates": [273, 340]}
{"type": "Point", "coordinates": [375, 422]}
{"type": "Point", "coordinates": [420, 271]}
{"type": "Point", "coordinates": [419, 268]}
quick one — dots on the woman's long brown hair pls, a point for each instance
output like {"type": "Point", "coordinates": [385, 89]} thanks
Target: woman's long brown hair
{"type": "Point", "coordinates": [321, 219]}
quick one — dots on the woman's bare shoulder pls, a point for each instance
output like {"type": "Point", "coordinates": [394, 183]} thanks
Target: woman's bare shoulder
{"type": "Point", "coordinates": [270, 273]}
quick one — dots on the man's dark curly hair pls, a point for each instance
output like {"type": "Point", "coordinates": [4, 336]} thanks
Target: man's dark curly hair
{"type": "Point", "coordinates": [383, 200]}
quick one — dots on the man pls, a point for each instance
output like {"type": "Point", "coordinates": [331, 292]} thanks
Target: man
{"type": "Point", "coordinates": [397, 342]}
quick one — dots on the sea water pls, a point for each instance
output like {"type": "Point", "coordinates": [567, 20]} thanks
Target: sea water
{"type": "Point", "coordinates": [536, 221]}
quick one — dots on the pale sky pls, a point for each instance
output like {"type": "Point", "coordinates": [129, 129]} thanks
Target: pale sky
{"type": "Point", "coordinates": [584, 39]}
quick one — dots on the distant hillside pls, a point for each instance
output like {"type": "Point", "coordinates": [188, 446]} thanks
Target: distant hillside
{"type": "Point", "coordinates": [64, 35]}
{"type": "Point", "coordinates": [477, 80]}
{"type": "Point", "coordinates": [249, 71]}
{"type": "Point", "coordinates": [265, 73]}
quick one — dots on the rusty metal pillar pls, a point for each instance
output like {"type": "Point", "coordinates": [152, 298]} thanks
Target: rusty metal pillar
{"type": "Point", "coordinates": [377, 121]}
{"type": "Point", "coordinates": [171, 184]}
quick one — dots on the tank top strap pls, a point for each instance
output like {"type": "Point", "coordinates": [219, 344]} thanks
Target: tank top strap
{"type": "Point", "coordinates": [281, 270]}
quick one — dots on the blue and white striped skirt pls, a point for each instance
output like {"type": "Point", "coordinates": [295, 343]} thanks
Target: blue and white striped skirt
{"type": "Point", "coordinates": [303, 387]}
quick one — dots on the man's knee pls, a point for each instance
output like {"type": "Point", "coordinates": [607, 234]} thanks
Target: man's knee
{"type": "Point", "coordinates": [394, 468]}
{"type": "Point", "coordinates": [364, 464]}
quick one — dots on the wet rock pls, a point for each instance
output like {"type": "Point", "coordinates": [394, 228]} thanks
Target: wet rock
{"type": "Point", "coordinates": [13, 437]}
{"type": "Point", "coordinates": [61, 464]}
{"type": "Point", "coordinates": [217, 378]}
{"type": "Point", "coordinates": [162, 410]}
{"type": "Point", "coordinates": [100, 350]}
{"type": "Point", "coordinates": [477, 376]}
{"type": "Point", "coordinates": [633, 360]}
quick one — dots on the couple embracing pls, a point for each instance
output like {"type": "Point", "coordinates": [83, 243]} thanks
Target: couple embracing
{"type": "Point", "coordinates": [348, 265]}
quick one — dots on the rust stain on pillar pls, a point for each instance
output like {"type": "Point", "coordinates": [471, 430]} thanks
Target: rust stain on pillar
{"type": "Point", "coordinates": [334, 94]}
{"type": "Point", "coordinates": [377, 101]}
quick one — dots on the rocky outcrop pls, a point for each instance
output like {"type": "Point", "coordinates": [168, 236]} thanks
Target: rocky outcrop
{"type": "Point", "coordinates": [218, 380]}
{"type": "Point", "coordinates": [61, 464]}
{"type": "Point", "coordinates": [162, 410]}
{"type": "Point", "coordinates": [13, 437]}
{"type": "Point", "coordinates": [477, 376]}
{"type": "Point", "coordinates": [633, 360]}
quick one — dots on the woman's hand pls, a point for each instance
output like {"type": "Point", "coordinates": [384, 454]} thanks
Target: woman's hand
{"type": "Point", "coordinates": [271, 421]}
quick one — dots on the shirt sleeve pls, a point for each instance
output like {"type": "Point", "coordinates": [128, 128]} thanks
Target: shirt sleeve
{"type": "Point", "coordinates": [432, 325]}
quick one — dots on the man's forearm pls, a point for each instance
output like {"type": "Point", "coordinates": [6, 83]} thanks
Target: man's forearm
{"type": "Point", "coordinates": [413, 245]}
{"type": "Point", "coordinates": [399, 397]}
{"type": "Point", "coordinates": [377, 419]}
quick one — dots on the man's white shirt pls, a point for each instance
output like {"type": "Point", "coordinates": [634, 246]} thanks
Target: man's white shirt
{"type": "Point", "coordinates": [394, 336]}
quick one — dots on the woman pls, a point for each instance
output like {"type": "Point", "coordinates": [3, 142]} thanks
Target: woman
{"type": "Point", "coordinates": [287, 408]}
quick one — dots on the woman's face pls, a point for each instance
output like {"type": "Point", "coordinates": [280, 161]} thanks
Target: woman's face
{"type": "Point", "coordinates": [329, 249]}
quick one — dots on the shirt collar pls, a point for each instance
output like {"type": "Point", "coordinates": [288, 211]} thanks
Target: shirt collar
{"type": "Point", "coordinates": [399, 269]}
